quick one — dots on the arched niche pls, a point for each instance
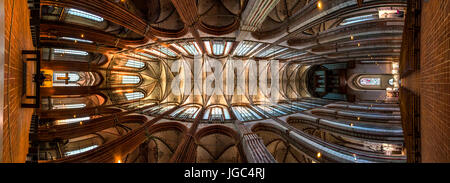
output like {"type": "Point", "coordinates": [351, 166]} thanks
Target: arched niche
{"type": "Point", "coordinates": [78, 17]}
{"type": "Point", "coordinates": [72, 101]}
{"type": "Point", "coordinates": [123, 79]}
{"type": "Point", "coordinates": [160, 144]}
{"type": "Point", "coordinates": [76, 78]}
{"type": "Point", "coordinates": [128, 64]}
{"type": "Point", "coordinates": [81, 144]}
{"type": "Point", "coordinates": [217, 144]}
{"type": "Point", "coordinates": [69, 55]}
{"type": "Point", "coordinates": [219, 17]}
{"type": "Point", "coordinates": [121, 95]}
{"type": "Point", "coordinates": [278, 146]}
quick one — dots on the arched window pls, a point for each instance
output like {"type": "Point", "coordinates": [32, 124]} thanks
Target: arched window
{"type": "Point", "coordinates": [70, 52]}
{"type": "Point", "coordinates": [134, 95]}
{"type": "Point", "coordinates": [357, 19]}
{"type": "Point", "coordinates": [82, 150]}
{"type": "Point", "coordinates": [292, 107]}
{"type": "Point", "coordinates": [85, 15]}
{"type": "Point", "coordinates": [370, 81]}
{"type": "Point", "coordinates": [130, 79]}
{"type": "Point", "coordinates": [243, 113]}
{"type": "Point", "coordinates": [186, 112]}
{"type": "Point", "coordinates": [159, 109]}
{"type": "Point", "coordinates": [271, 110]}
{"type": "Point", "coordinates": [271, 51]}
{"type": "Point", "coordinates": [216, 113]}
{"type": "Point", "coordinates": [135, 64]}
{"type": "Point", "coordinates": [72, 120]}
{"type": "Point", "coordinates": [68, 106]}
{"type": "Point", "coordinates": [391, 81]}
{"type": "Point", "coordinates": [77, 40]}
{"type": "Point", "coordinates": [65, 79]}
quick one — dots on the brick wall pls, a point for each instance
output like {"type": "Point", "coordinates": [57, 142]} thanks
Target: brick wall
{"type": "Point", "coordinates": [435, 81]}
{"type": "Point", "coordinates": [16, 121]}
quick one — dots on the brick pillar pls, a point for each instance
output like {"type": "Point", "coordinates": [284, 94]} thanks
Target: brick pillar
{"type": "Point", "coordinates": [187, 150]}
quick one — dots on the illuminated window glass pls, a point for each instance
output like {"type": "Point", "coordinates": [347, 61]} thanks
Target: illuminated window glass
{"type": "Point", "coordinates": [391, 81]}
{"type": "Point", "coordinates": [228, 48]}
{"type": "Point", "coordinates": [178, 48]}
{"type": "Point", "coordinates": [135, 64]}
{"type": "Point", "coordinates": [70, 52]}
{"type": "Point", "coordinates": [70, 153]}
{"type": "Point", "coordinates": [165, 108]}
{"type": "Point", "coordinates": [245, 114]}
{"type": "Point", "coordinates": [246, 47]}
{"type": "Point", "coordinates": [291, 54]}
{"type": "Point", "coordinates": [84, 15]}
{"type": "Point", "coordinates": [190, 112]}
{"type": "Point", "coordinates": [144, 56]}
{"type": "Point", "coordinates": [68, 106]}
{"type": "Point", "coordinates": [357, 19]}
{"type": "Point", "coordinates": [226, 114]}
{"type": "Point", "coordinates": [159, 109]}
{"type": "Point", "coordinates": [390, 13]}
{"type": "Point", "coordinates": [216, 114]}
{"type": "Point", "coordinates": [293, 107]}
{"type": "Point", "coordinates": [187, 112]}
{"type": "Point", "coordinates": [76, 39]}
{"type": "Point", "coordinates": [176, 112]}
{"type": "Point", "coordinates": [370, 81]}
{"type": "Point", "coordinates": [72, 120]}
{"type": "Point", "coordinates": [218, 48]}
{"type": "Point", "coordinates": [134, 95]}
{"type": "Point", "coordinates": [130, 79]}
{"type": "Point", "coordinates": [167, 51]}
{"type": "Point", "coordinates": [271, 51]}
{"type": "Point", "coordinates": [191, 48]}
{"type": "Point", "coordinates": [272, 111]}
{"type": "Point", "coordinates": [72, 76]}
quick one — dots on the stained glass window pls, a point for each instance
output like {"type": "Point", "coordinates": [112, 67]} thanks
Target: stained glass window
{"type": "Point", "coordinates": [59, 79]}
{"type": "Point", "coordinates": [72, 76]}
{"type": "Point", "coordinates": [370, 81]}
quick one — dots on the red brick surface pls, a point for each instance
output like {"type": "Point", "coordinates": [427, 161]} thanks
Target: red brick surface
{"type": "Point", "coordinates": [16, 122]}
{"type": "Point", "coordinates": [435, 81]}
